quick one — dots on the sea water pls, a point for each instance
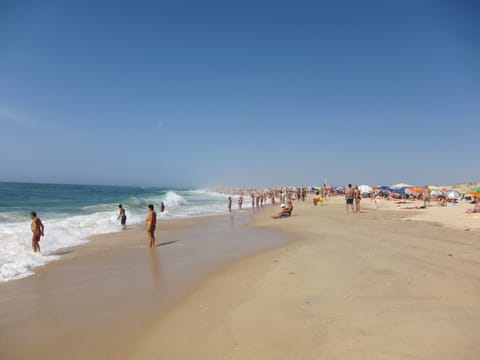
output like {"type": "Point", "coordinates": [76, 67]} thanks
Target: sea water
{"type": "Point", "coordinates": [72, 213]}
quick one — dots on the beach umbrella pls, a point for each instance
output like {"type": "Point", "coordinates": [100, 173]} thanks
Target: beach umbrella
{"type": "Point", "coordinates": [475, 192]}
{"type": "Point", "coordinates": [453, 194]}
{"type": "Point", "coordinates": [375, 187]}
{"type": "Point", "coordinates": [401, 186]}
{"type": "Point", "coordinates": [400, 191]}
{"type": "Point", "coordinates": [387, 188]}
{"type": "Point", "coordinates": [416, 190]}
{"type": "Point", "coordinates": [436, 193]}
{"type": "Point", "coordinates": [365, 189]}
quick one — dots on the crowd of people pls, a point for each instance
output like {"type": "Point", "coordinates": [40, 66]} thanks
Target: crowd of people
{"type": "Point", "coordinates": [260, 199]}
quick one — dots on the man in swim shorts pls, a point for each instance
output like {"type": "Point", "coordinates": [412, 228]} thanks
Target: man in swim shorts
{"type": "Point", "coordinates": [38, 231]}
{"type": "Point", "coordinates": [349, 197]}
{"type": "Point", "coordinates": [151, 221]}
{"type": "Point", "coordinates": [123, 217]}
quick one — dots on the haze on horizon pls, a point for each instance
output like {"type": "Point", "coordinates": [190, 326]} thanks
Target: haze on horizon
{"type": "Point", "coordinates": [264, 93]}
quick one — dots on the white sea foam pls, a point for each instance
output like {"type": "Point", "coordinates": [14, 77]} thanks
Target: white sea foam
{"type": "Point", "coordinates": [65, 230]}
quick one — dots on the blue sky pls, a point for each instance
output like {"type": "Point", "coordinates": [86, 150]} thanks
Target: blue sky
{"type": "Point", "coordinates": [246, 93]}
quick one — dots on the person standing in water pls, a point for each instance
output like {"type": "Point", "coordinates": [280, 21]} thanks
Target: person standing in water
{"type": "Point", "coordinates": [151, 221]}
{"type": "Point", "coordinates": [162, 207]}
{"type": "Point", "coordinates": [230, 204]}
{"type": "Point", "coordinates": [38, 230]}
{"type": "Point", "coordinates": [122, 216]}
{"type": "Point", "coordinates": [240, 202]}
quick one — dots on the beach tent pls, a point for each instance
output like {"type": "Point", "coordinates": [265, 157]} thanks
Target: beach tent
{"type": "Point", "coordinates": [385, 188]}
{"type": "Point", "coordinates": [400, 191]}
{"type": "Point", "coordinates": [401, 186]}
{"type": "Point", "coordinates": [437, 192]}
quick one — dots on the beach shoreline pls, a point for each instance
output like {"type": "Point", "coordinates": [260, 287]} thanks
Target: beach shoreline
{"type": "Point", "coordinates": [111, 291]}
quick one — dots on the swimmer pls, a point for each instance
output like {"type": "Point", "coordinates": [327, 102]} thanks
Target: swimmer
{"type": "Point", "coordinates": [122, 217]}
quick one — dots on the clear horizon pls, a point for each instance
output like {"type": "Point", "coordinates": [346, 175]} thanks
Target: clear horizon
{"type": "Point", "coordinates": [255, 94]}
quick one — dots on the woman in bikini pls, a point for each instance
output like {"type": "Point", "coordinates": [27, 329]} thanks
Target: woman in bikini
{"type": "Point", "coordinates": [357, 196]}
{"type": "Point", "coordinates": [151, 221]}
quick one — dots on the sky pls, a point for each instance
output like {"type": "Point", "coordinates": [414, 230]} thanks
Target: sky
{"type": "Point", "coordinates": [239, 93]}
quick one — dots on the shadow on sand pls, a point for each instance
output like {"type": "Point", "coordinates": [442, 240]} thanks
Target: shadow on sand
{"type": "Point", "coordinates": [166, 243]}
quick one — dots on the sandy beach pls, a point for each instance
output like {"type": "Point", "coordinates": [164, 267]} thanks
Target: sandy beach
{"type": "Point", "coordinates": [363, 286]}
{"type": "Point", "coordinates": [375, 285]}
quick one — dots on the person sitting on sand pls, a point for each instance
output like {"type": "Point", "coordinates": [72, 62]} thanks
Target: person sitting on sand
{"type": "Point", "coordinates": [286, 212]}
{"type": "Point", "coordinates": [476, 208]}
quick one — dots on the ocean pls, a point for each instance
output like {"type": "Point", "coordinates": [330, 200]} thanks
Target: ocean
{"type": "Point", "coordinates": [72, 213]}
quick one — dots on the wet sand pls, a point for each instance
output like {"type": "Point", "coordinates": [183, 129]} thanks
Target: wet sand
{"type": "Point", "coordinates": [102, 298]}
{"type": "Point", "coordinates": [367, 286]}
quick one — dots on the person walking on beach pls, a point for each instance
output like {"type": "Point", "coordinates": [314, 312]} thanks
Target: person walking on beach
{"type": "Point", "coordinates": [230, 204]}
{"type": "Point", "coordinates": [122, 216]}
{"type": "Point", "coordinates": [349, 198]}
{"type": "Point", "coordinates": [426, 196]}
{"type": "Point", "coordinates": [357, 197]}
{"type": "Point", "coordinates": [38, 230]}
{"type": "Point", "coordinates": [151, 221]}
{"type": "Point", "coordinates": [240, 202]}
{"type": "Point", "coordinates": [162, 207]}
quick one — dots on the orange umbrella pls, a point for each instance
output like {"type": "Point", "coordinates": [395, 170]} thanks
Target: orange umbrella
{"type": "Point", "coordinates": [375, 187]}
{"type": "Point", "coordinates": [474, 194]}
{"type": "Point", "coordinates": [416, 190]}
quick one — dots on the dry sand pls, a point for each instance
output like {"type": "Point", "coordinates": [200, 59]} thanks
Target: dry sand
{"type": "Point", "coordinates": [358, 286]}
{"type": "Point", "coordinates": [453, 215]}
